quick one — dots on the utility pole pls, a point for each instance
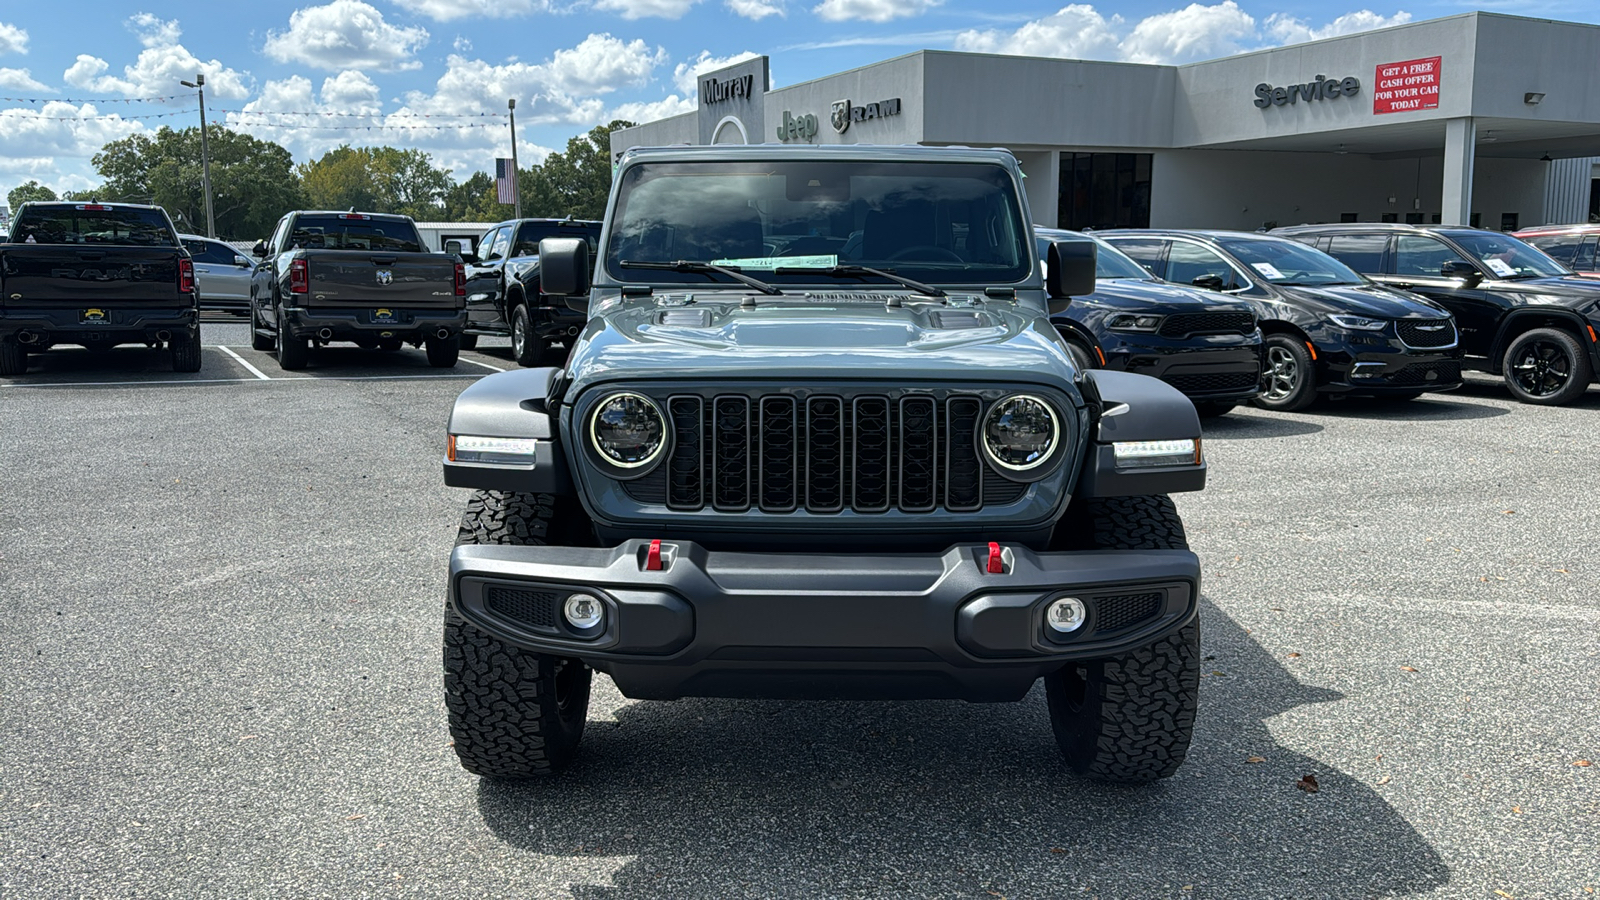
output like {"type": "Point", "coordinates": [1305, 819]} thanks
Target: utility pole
{"type": "Point", "coordinates": [199, 83]}
{"type": "Point", "coordinates": [516, 186]}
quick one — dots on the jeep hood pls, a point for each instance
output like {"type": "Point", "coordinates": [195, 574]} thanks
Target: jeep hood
{"type": "Point", "coordinates": [819, 335]}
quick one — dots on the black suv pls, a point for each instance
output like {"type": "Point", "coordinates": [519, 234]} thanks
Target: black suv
{"type": "Point", "coordinates": [1522, 314]}
{"type": "Point", "coordinates": [1326, 329]}
{"type": "Point", "coordinates": [1204, 344]}
{"type": "Point", "coordinates": [503, 294]}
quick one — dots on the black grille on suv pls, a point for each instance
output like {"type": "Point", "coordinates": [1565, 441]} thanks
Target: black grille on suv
{"type": "Point", "coordinates": [1424, 333]}
{"type": "Point", "coordinates": [1181, 325]}
{"type": "Point", "coordinates": [824, 453]}
{"type": "Point", "coordinates": [1417, 374]}
{"type": "Point", "coordinates": [1212, 382]}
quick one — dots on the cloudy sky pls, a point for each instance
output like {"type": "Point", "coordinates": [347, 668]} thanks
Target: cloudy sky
{"type": "Point", "coordinates": [435, 74]}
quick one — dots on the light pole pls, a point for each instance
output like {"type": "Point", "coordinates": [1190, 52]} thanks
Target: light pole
{"type": "Point", "coordinates": [199, 83]}
{"type": "Point", "coordinates": [516, 186]}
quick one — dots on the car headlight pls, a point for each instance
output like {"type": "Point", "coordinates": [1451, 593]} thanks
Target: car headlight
{"type": "Point", "coordinates": [492, 451]}
{"type": "Point", "coordinates": [1152, 454]}
{"type": "Point", "coordinates": [1359, 323]}
{"type": "Point", "coordinates": [1131, 322]}
{"type": "Point", "coordinates": [627, 430]}
{"type": "Point", "coordinates": [1020, 433]}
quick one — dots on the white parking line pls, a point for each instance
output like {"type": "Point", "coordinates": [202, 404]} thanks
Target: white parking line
{"type": "Point", "coordinates": [484, 364]}
{"type": "Point", "coordinates": [241, 361]}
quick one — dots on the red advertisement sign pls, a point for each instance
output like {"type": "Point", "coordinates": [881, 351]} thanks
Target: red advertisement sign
{"type": "Point", "coordinates": [1406, 86]}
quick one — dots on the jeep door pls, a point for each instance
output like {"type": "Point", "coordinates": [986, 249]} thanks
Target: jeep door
{"type": "Point", "coordinates": [1414, 265]}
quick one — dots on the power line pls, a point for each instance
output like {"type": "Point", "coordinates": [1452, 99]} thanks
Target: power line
{"type": "Point", "coordinates": [92, 99]}
{"type": "Point", "coordinates": [28, 115]}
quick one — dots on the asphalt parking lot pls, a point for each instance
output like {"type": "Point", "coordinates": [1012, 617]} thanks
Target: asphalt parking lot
{"type": "Point", "coordinates": [220, 602]}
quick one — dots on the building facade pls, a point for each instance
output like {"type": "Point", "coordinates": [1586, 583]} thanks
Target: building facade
{"type": "Point", "coordinates": [1479, 119]}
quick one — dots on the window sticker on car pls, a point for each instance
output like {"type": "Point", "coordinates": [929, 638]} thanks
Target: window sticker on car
{"type": "Point", "coordinates": [1267, 270]}
{"type": "Point", "coordinates": [1499, 267]}
{"type": "Point", "coordinates": [770, 263]}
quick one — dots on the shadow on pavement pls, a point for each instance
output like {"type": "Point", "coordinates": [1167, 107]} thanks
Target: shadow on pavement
{"type": "Point", "coordinates": [1428, 408]}
{"type": "Point", "coordinates": [710, 798]}
{"type": "Point", "coordinates": [1244, 426]}
{"type": "Point", "coordinates": [1489, 387]}
{"type": "Point", "coordinates": [70, 365]}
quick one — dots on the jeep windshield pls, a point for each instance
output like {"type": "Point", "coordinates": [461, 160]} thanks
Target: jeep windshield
{"type": "Point", "coordinates": [807, 222]}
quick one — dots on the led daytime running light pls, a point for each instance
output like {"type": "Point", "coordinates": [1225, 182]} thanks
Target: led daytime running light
{"type": "Point", "coordinates": [1150, 454]}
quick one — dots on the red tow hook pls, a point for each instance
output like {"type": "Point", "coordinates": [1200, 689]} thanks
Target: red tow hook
{"type": "Point", "coordinates": [997, 562]}
{"type": "Point", "coordinates": [652, 559]}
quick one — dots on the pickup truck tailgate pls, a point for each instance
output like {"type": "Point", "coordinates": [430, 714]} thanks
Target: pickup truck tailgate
{"type": "Point", "coordinates": [347, 278]}
{"type": "Point", "coordinates": [43, 275]}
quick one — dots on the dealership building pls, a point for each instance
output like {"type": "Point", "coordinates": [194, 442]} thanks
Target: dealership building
{"type": "Point", "coordinates": [1479, 119]}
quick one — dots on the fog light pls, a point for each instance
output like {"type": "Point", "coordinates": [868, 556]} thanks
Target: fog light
{"type": "Point", "coordinates": [1065, 615]}
{"type": "Point", "coordinates": [583, 611]}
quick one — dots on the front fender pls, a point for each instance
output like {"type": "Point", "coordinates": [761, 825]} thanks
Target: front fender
{"type": "Point", "coordinates": [1139, 408]}
{"type": "Point", "coordinates": [514, 404]}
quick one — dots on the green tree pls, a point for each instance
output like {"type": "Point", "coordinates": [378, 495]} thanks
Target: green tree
{"type": "Point", "coordinates": [377, 179]}
{"type": "Point", "coordinates": [475, 200]}
{"type": "Point", "coordinates": [252, 181]}
{"type": "Point", "coordinates": [341, 179]}
{"type": "Point", "coordinates": [33, 190]}
{"type": "Point", "coordinates": [574, 183]}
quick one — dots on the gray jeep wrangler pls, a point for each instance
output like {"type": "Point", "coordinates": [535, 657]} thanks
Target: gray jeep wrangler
{"type": "Point", "coordinates": [819, 439]}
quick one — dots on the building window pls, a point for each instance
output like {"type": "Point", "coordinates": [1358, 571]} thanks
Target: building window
{"type": "Point", "coordinates": [1104, 190]}
{"type": "Point", "coordinates": [1508, 221]}
{"type": "Point", "coordinates": [1349, 217]}
{"type": "Point", "coordinates": [1594, 200]}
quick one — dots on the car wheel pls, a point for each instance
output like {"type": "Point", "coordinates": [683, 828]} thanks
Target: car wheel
{"type": "Point", "coordinates": [259, 341]}
{"type": "Point", "coordinates": [514, 714]}
{"type": "Point", "coordinates": [528, 348]}
{"type": "Point", "coordinates": [293, 352]}
{"type": "Point", "coordinates": [1548, 367]}
{"type": "Point", "coordinates": [185, 348]}
{"type": "Point", "coordinates": [13, 357]}
{"type": "Point", "coordinates": [1128, 718]}
{"type": "Point", "coordinates": [443, 352]}
{"type": "Point", "coordinates": [1289, 378]}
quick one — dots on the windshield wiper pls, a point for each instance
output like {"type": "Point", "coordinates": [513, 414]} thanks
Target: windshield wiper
{"type": "Point", "coordinates": [689, 265]}
{"type": "Point", "coordinates": [861, 271]}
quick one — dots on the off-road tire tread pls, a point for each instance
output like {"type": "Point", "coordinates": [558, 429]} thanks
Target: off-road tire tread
{"type": "Point", "coordinates": [186, 352]}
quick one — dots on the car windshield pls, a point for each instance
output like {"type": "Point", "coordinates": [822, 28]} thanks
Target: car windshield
{"type": "Point", "coordinates": [943, 223]}
{"type": "Point", "coordinates": [1109, 262]}
{"type": "Point", "coordinates": [354, 231]}
{"type": "Point", "coordinates": [1282, 261]}
{"type": "Point", "coordinates": [529, 234]}
{"type": "Point", "coordinates": [92, 223]}
{"type": "Point", "coordinates": [1504, 256]}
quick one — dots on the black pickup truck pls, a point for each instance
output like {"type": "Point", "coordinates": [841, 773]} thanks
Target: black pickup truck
{"type": "Point", "coordinates": [503, 296]}
{"type": "Point", "coordinates": [97, 275]}
{"type": "Point", "coordinates": [359, 277]}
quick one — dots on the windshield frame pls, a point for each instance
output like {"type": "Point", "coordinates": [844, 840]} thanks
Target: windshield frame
{"type": "Point", "coordinates": [1233, 245]}
{"type": "Point", "coordinates": [1007, 210]}
{"type": "Point", "coordinates": [1467, 242]}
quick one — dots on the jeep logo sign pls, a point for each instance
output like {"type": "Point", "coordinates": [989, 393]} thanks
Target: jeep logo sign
{"type": "Point", "coordinates": [797, 128]}
{"type": "Point", "coordinates": [1324, 88]}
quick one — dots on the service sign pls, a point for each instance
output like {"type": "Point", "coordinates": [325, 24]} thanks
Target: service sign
{"type": "Point", "coordinates": [1406, 86]}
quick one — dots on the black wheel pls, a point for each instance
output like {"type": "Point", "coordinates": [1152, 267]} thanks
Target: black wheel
{"type": "Point", "coordinates": [390, 344]}
{"type": "Point", "coordinates": [514, 714]}
{"type": "Point", "coordinates": [293, 352]}
{"type": "Point", "coordinates": [1129, 718]}
{"type": "Point", "coordinates": [259, 341]}
{"type": "Point", "coordinates": [1082, 356]}
{"type": "Point", "coordinates": [1210, 409]}
{"type": "Point", "coordinates": [530, 350]}
{"type": "Point", "coordinates": [185, 347]}
{"type": "Point", "coordinates": [443, 352]}
{"type": "Point", "coordinates": [1548, 367]}
{"type": "Point", "coordinates": [13, 357]}
{"type": "Point", "coordinates": [469, 342]}
{"type": "Point", "coordinates": [1290, 377]}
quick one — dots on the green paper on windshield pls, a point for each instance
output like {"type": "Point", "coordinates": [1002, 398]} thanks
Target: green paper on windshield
{"type": "Point", "coordinates": [770, 263]}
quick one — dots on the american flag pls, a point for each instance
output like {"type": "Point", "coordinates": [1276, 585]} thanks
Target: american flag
{"type": "Point", "coordinates": [505, 181]}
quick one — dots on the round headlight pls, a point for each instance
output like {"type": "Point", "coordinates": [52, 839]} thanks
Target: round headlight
{"type": "Point", "coordinates": [1020, 432]}
{"type": "Point", "coordinates": [627, 430]}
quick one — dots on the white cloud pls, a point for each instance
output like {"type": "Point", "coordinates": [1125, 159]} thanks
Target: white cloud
{"type": "Point", "coordinates": [13, 39]}
{"type": "Point", "coordinates": [686, 75]}
{"type": "Point", "coordinates": [155, 32]}
{"type": "Point", "coordinates": [871, 10]}
{"type": "Point", "coordinates": [38, 141]}
{"type": "Point", "coordinates": [345, 34]}
{"type": "Point", "coordinates": [1073, 32]}
{"type": "Point", "coordinates": [88, 73]}
{"type": "Point", "coordinates": [672, 105]}
{"type": "Point", "coordinates": [642, 9]}
{"type": "Point", "coordinates": [756, 9]}
{"type": "Point", "coordinates": [20, 80]}
{"type": "Point", "coordinates": [461, 44]}
{"type": "Point", "coordinates": [1193, 33]}
{"type": "Point", "coordinates": [450, 10]}
{"type": "Point", "coordinates": [161, 65]}
{"type": "Point", "coordinates": [1286, 29]}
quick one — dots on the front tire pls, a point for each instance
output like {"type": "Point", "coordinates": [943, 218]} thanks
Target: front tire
{"type": "Point", "coordinates": [529, 349]}
{"type": "Point", "coordinates": [443, 352]}
{"type": "Point", "coordinates": [514, 714]}
{"type": "Point", "coordinates": [1548, 367]}
{"type": "Point", "coordinates": [186, 356]}
{"type": "Point", "coordinates": [1290, 376]}
{"type": "Point", "coordinates": [1129, 718]}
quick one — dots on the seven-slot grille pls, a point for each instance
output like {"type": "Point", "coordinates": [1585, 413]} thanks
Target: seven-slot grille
{"type": "Point", "coordinates": [1424, 333]}
{"type": "Point", "coordinates": [1181, 325]}
{"type": "Point", "coordinates": [823, 453]}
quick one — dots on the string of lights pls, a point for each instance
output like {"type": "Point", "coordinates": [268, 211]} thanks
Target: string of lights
{"type": "Point", "coordinates": [255, 119]}
{"type": "Point", "coordinates": [32, 117]}
{"type": "Point", "coordinates": [394, 115]}
{"type": "Point", "coordinates": [93, 99]}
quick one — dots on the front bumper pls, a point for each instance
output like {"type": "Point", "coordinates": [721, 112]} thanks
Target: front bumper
{"type": "Point", "coordinates": [909, 626]}
{"type": "Point", "coordinates": [1221, 368]}
{"type": "Point", "coordinates": [359, 323]}
{"type": "Point", "coordinates": [57, 325]}
{"type": "Point", "coordinates": [1380, 365]}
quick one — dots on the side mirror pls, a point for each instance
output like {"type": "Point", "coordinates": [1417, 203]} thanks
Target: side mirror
{"type": "Point", "coordinates": [1069, 272]}
{"type": "Point", "coordinates": [1460, 268]}
{"type": "Point", "coordinates": [564, 269]}
{"type": "Point", "coordinates": [259, 251]}
{"type": "Point", "coordinates": [1209, 282]}
{"type": "Point", "coordinates": [453, 247]}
